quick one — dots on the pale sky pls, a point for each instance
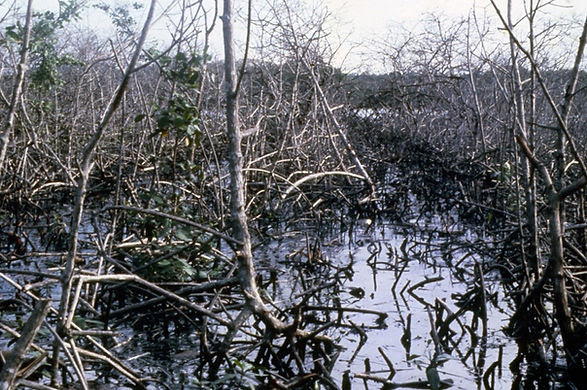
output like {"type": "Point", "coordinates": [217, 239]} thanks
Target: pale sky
{"type": "Point", "coordinates": [365, 15]}
{"type": "Point", "coordinates": [361, 21]}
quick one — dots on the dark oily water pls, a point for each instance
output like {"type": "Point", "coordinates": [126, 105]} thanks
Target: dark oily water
{"type": "Point", "coordinates": [380, 287]}
{"type": "Point", "coordinates": [420, 279]}
{"type": "Point", "coordinates": [390, 282]}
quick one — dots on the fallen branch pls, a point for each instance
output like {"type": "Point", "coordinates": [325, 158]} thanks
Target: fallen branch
{"type": "Point", "coordinates": [319, 175]}
{"type": "Point", "coordinates": [444, 384]}
{"type": "Point", "coordinates": [154, 287]}
{"type": "Point", "coordinates": [15, 358]}
{"type": "Point", "coordinates": [176, 219]}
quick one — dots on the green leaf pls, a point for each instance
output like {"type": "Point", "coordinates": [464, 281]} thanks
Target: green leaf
{"type": "Point", "coordinates": [183, 234]}
{"type": "Point", "coordinates": [163, 121]}
{"type": "Point", "coordinates": [158, 200]}
{"type": "Point", "coordinates": [179, 122]}
{"type": "Point", "coordinates": [181, 57]}
{"type": "Point", "coordinates": [187, 269]}
{"type": "Point", "coordinates": [13, 35]}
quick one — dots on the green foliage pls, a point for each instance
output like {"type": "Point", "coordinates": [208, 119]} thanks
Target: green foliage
{"type": "Point", "coordinates": [186, 69]}
{"type": "Point", "coordinates": [183, 68]}
{"type": "Point", "coordinates": [14, 33]}
{"type": "Point", "coordinates": [172, 269]}
{"type": "Point", "coordinates": [190, 173]}
{"type": "Point", "coordinates": [172, 251]}
{"type": "Point", "coordinates": [181, 118]}
{"type": "Point", "coordinates": [177, 261]}
{"type": "Point", "coordinates": [121, 16]}
{"type": "Point", "coordinates": [44, 57]}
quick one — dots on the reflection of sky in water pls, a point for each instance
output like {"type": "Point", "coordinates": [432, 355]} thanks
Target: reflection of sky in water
{"type": "Point", "coordinates": [378, 296]}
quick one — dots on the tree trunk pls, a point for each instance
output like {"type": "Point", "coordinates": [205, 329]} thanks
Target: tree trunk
{"type": "Point", "coordinates": [561, 301]}
{"type": "Point", "coordinates": [9, 371]}
{"type": "Point", "coordinates": [86, 166]}
{"type": "Point", "coordinates": [240, 230]}
{"type": "Point", "coordinates": [18, 83]}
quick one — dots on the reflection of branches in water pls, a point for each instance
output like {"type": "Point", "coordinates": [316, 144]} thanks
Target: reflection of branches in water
{"type": "Point", "coordinates": [423, 243]}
